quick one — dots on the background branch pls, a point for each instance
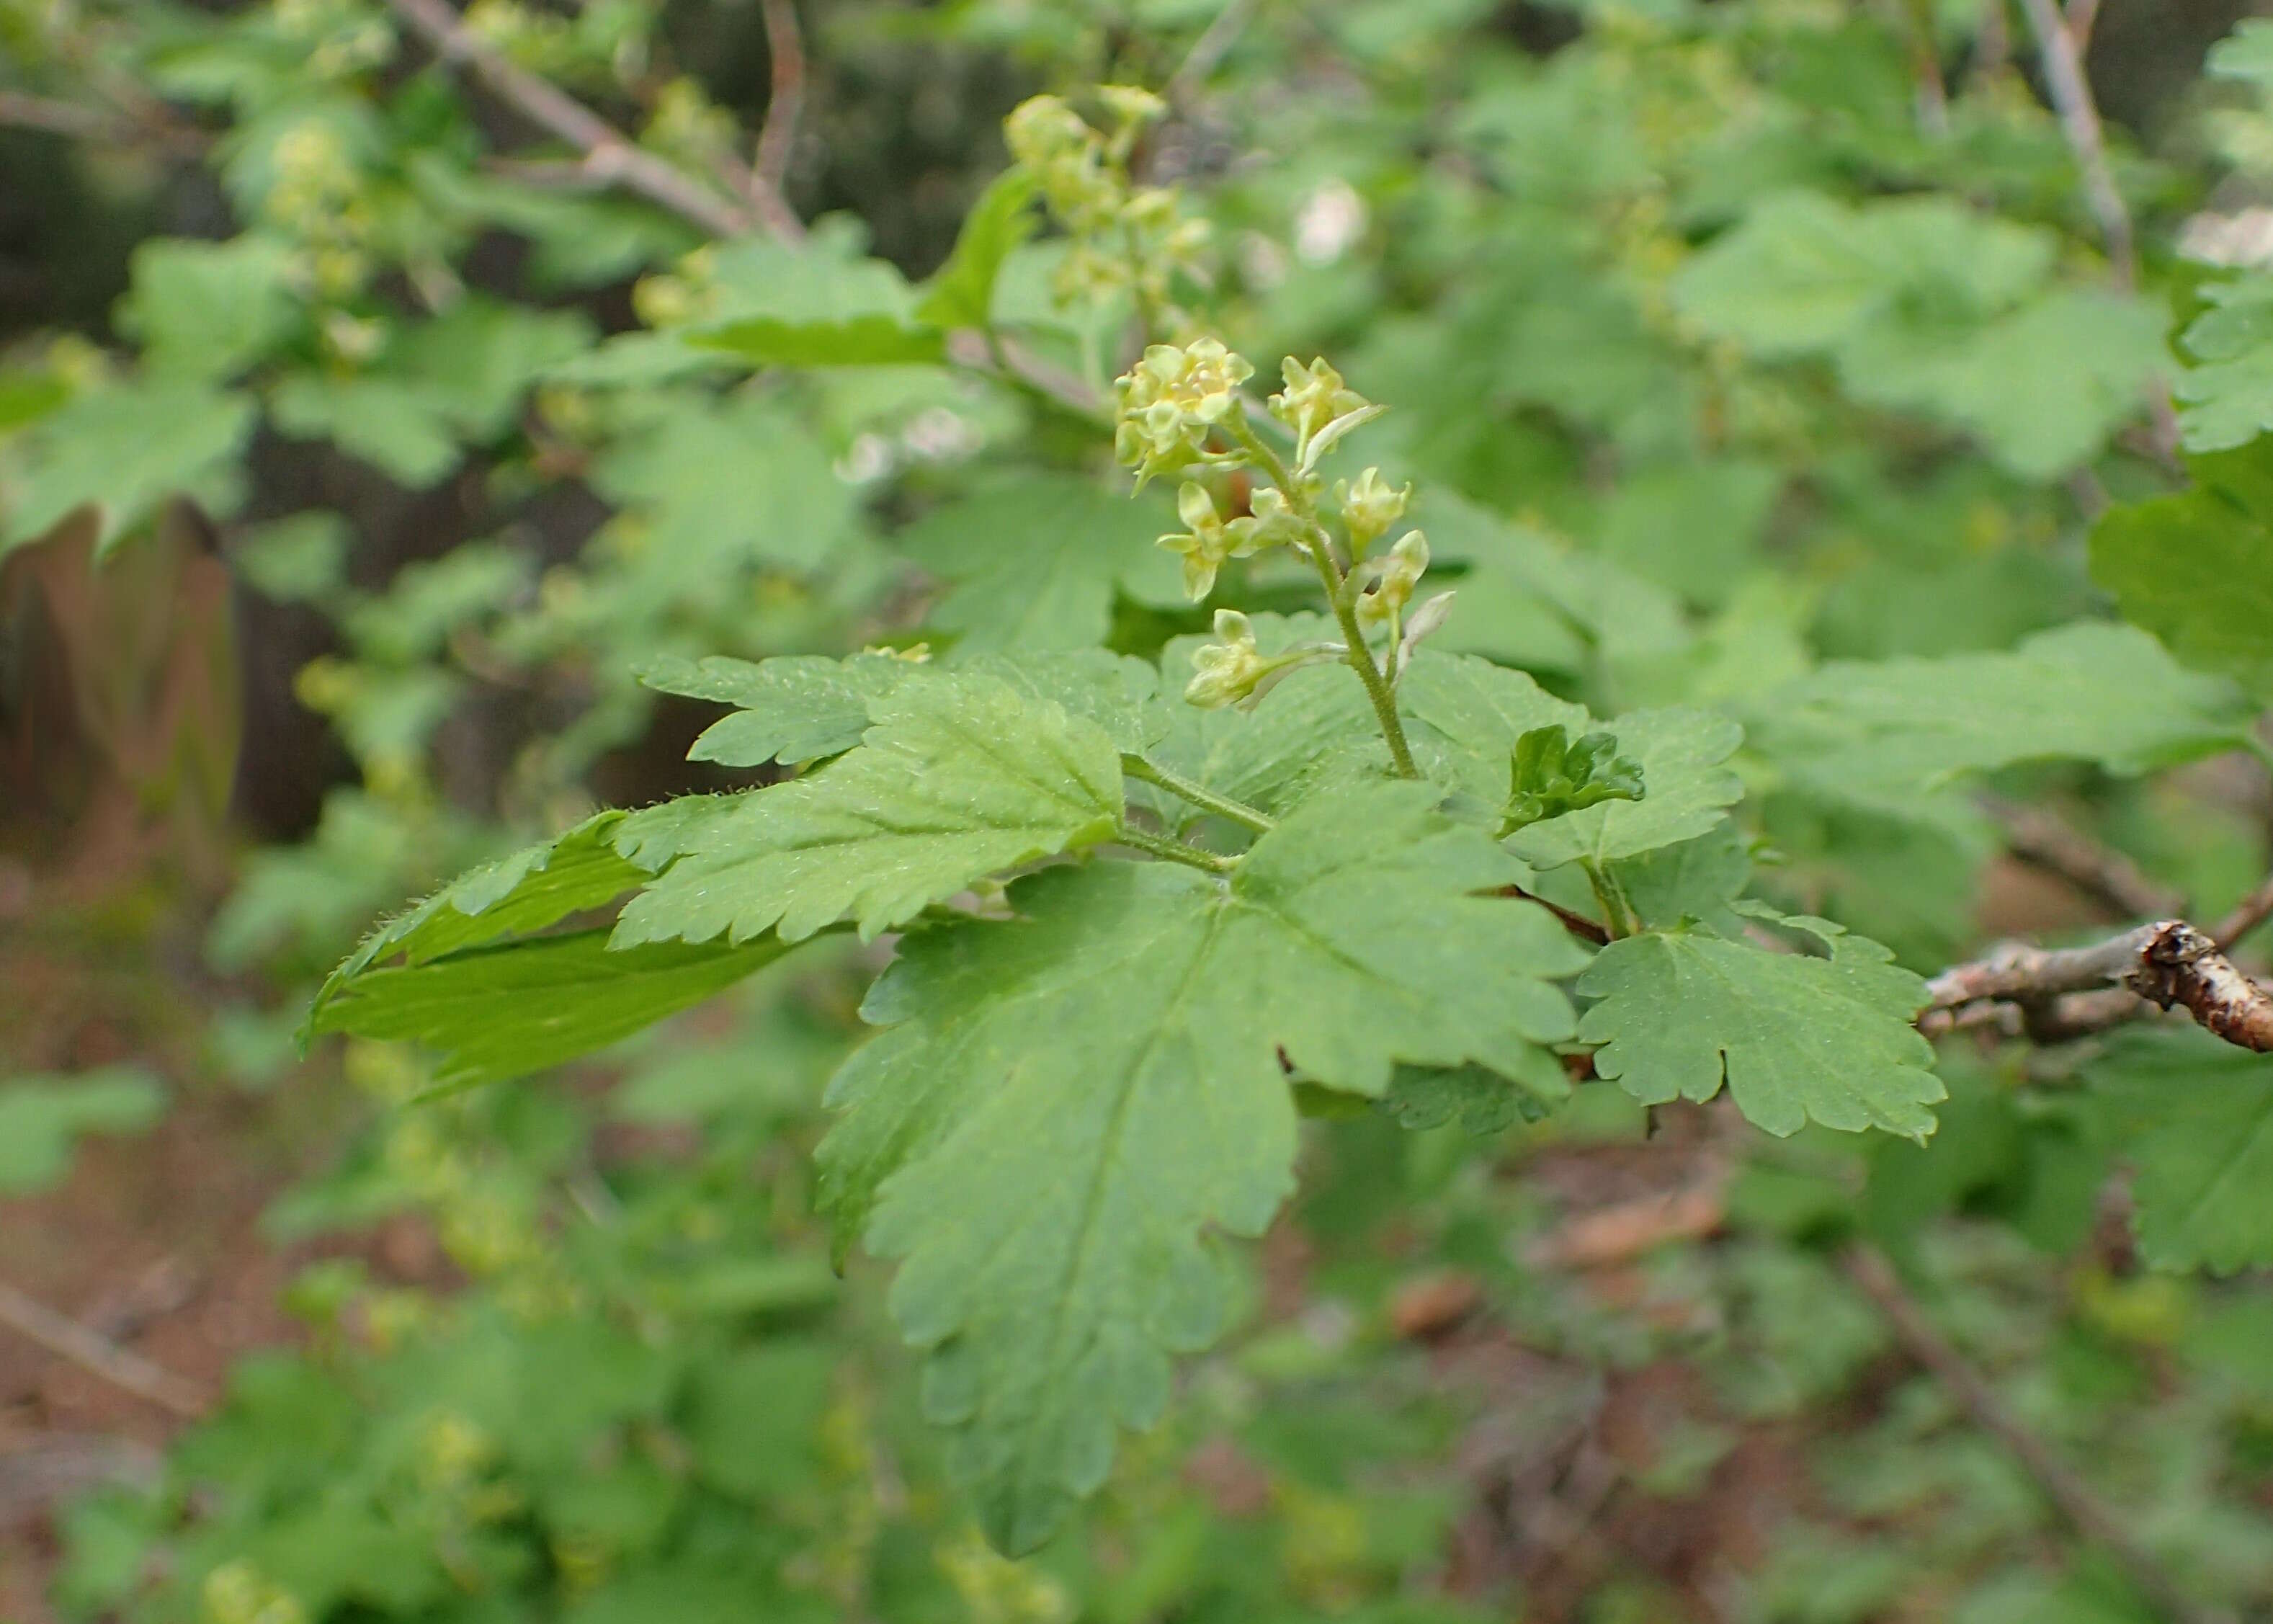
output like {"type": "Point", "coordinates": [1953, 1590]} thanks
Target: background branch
{"type": "Point", "coordinates": [609, 154]}
{"type": "Point", "coordinates": [2059, 44]}
{"type": "Point", "coordinates": [784, 102]}
{"type": "Point", "coordinates": [2042, 839]}
{"type": "Point", "coordinates": [91, 1350]}
{"type": "Point", "coordinates": [2091, 1516]}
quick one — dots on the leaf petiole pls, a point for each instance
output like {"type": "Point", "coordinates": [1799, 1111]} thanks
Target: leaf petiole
{"type": "Point", "coordinates": [1175, 851]}
{"type": "Point", "coordinates": [1198, 794]}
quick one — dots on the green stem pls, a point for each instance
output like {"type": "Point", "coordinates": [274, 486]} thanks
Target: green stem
{"type": "Point", "coordinates": [1620, 923]}
{"type": "Point", "coordinates": [1175, 851]}
{"type": "Point", "coordinates": [1360, 657]}
{"type": "Point", "coordinates": [1321, 549]}
{"type": "Point", "coordinates": [1199, 795]}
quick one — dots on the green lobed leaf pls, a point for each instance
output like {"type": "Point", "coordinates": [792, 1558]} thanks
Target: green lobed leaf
{"type": "Point", "coordinates": [1925, 305]}
{"type": "Point", "coordinates": [959, 778]}
{"type": "Point", "coordinates": [1795, 1038]}
{"type": "Point", "coordinates": [1315, 732]}
{"type": "Point", "coordinates": [41, 1118]}
{"type": "Point", "coordinates": [497, 1012]}
{"type": "Point", "coordinates": [2196, 569]}
{"type": "Point", "coordinates": [793, 709]}
{"type": "Point", "coordinates": [2090, 692]}
{"type": "Point", "coordinates": [1061, 1107]}
{"type": "Point", "coordinates": [819, 303]}
{"type": "Point", "coordinates": [126, 448]}
{"type": "Point", "coordinates": [710, 485]}
{"type": "Point", "coordinates": [2196, 1117]}
{"type": "Point", "coordinates": [1805, 272]}
{"type": "Point", "coordinates": [2226, 397]}
{"type": "Point", "coordinates": [205, 310]}
{"type": "Point", "coordinates": [800, 708]}
{"type": "Point", "coordinates": [1687, 791]}
{"type": "Point", "coordinates": [588, 867]}
{"type": "Point", "coordinates": [1483, 1101]}
{"type": "Point", "coordinates": [1034, 563]}
{"type": "Point", "coordinates": [455, 380]}
{"type": "Point", "coordinates": [852, 341]}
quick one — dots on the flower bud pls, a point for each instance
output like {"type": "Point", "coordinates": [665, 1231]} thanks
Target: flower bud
{"type": "Point", "coordinates": [1370, 506]}
{"type": "Point", "coordinates": [1395, 577]}
{"type": "Point", "coordinates": [1315, 399]}
{"type": "Point", "coordinates": [1131, 104]}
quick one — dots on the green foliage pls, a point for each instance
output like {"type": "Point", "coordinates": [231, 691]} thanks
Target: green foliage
{"type": "Point", "coordinates": [1551, 774]}
{"type": "Point", "coordinates": [2104, 694]}
{"type": "Point", "coordinates": [42, 1118]}
{"type": "Point", "coordinates": [958, 779]}
{"type": "Point", "coordinates": [1922, 306]}
{"type": "Point", "coordinates": [1687, 524]}
{"type": "Point", "coordinates": [1796, 1037]}
{"type": "Point", "coordinates": [1049, 1213]}
{"type": "Point", "coordinates": [2196, 569]}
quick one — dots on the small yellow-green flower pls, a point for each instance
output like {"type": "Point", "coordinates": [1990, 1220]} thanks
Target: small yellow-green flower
{"type": "Point", "coordinates": [1065, 156]}
{"type": "Point", "coordinates": [1232, 671]}
{"type": "Point", "coordinates": [1394, 579]}
{"type": "Point", "coordinates": [1209, 539]}
{"type": "Point", "coordinates": [1370, 506]}
{"type": "Point", "coordinates": [1314, 400]}
{"type": "Point", "coordinates": [1172, 400]}
{"type": "Point", "coordinates": [1275, 522]}
{"type": "Point", "coordinates": [1131, 104]}
{"type": "Point", "coordinates": [1225, 671]}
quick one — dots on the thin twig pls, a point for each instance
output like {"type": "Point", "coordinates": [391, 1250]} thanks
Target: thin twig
{"type": "Point", "coordinates": [2079, 118]}
{"type": "Point", "coordinates": [1578, 924]}
{"type": "Point", "coordinates": [2074, 1499]}
{"type": "Point", "coordinates": [1208, 51]}
{"type": "Point", "coordinates": [2070, 88]}
{"type": "Point", "coordinates": [2083, 16]}
{"type": "Point", "coordinates": [67, 1338]}
{"type": "Point", "coordinates": [2251, 911]}
{"type": "Point", "coordinates": [1993, 53]}
{"type": "Point", "coordinates": [1925, 69]}
{"type": "Point", "coordinates": [778, 136]}
{"type": "Point", "coordinates": [27, 112]}
{"type": "Point", "coordinates": [609, 154]}
{"type": "Point", "coordinates": [157, 127]}
{"type": "Point", "coordinates": [2044, 840]}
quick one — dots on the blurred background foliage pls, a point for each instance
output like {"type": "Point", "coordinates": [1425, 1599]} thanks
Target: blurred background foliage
{"type": "Point", "coordinates": [353, 457]}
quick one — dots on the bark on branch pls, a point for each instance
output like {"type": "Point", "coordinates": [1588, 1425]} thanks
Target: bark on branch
{"type": "Point", "coordinates": [2060, 993]}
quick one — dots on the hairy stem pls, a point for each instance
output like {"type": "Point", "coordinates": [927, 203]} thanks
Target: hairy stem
{"type": "Point", "coordinates": [1360, 657]}
{"type": "Point", "coordinates": [1320, 546]}
{"type": "Point", "coordinates": [1198, 794]}
{"type": "Point", "coordinates": [1621, 924]}
{"type": "Point", "coordinates": [1175, 851]}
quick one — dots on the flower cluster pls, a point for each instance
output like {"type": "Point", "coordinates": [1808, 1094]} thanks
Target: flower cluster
{"type": "Point", "coordinates": [1172, 401]}
{"type": "Point", "coordinates": [1125, 237]}
{"type": "Point", "coordinates": [1180, 409]}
